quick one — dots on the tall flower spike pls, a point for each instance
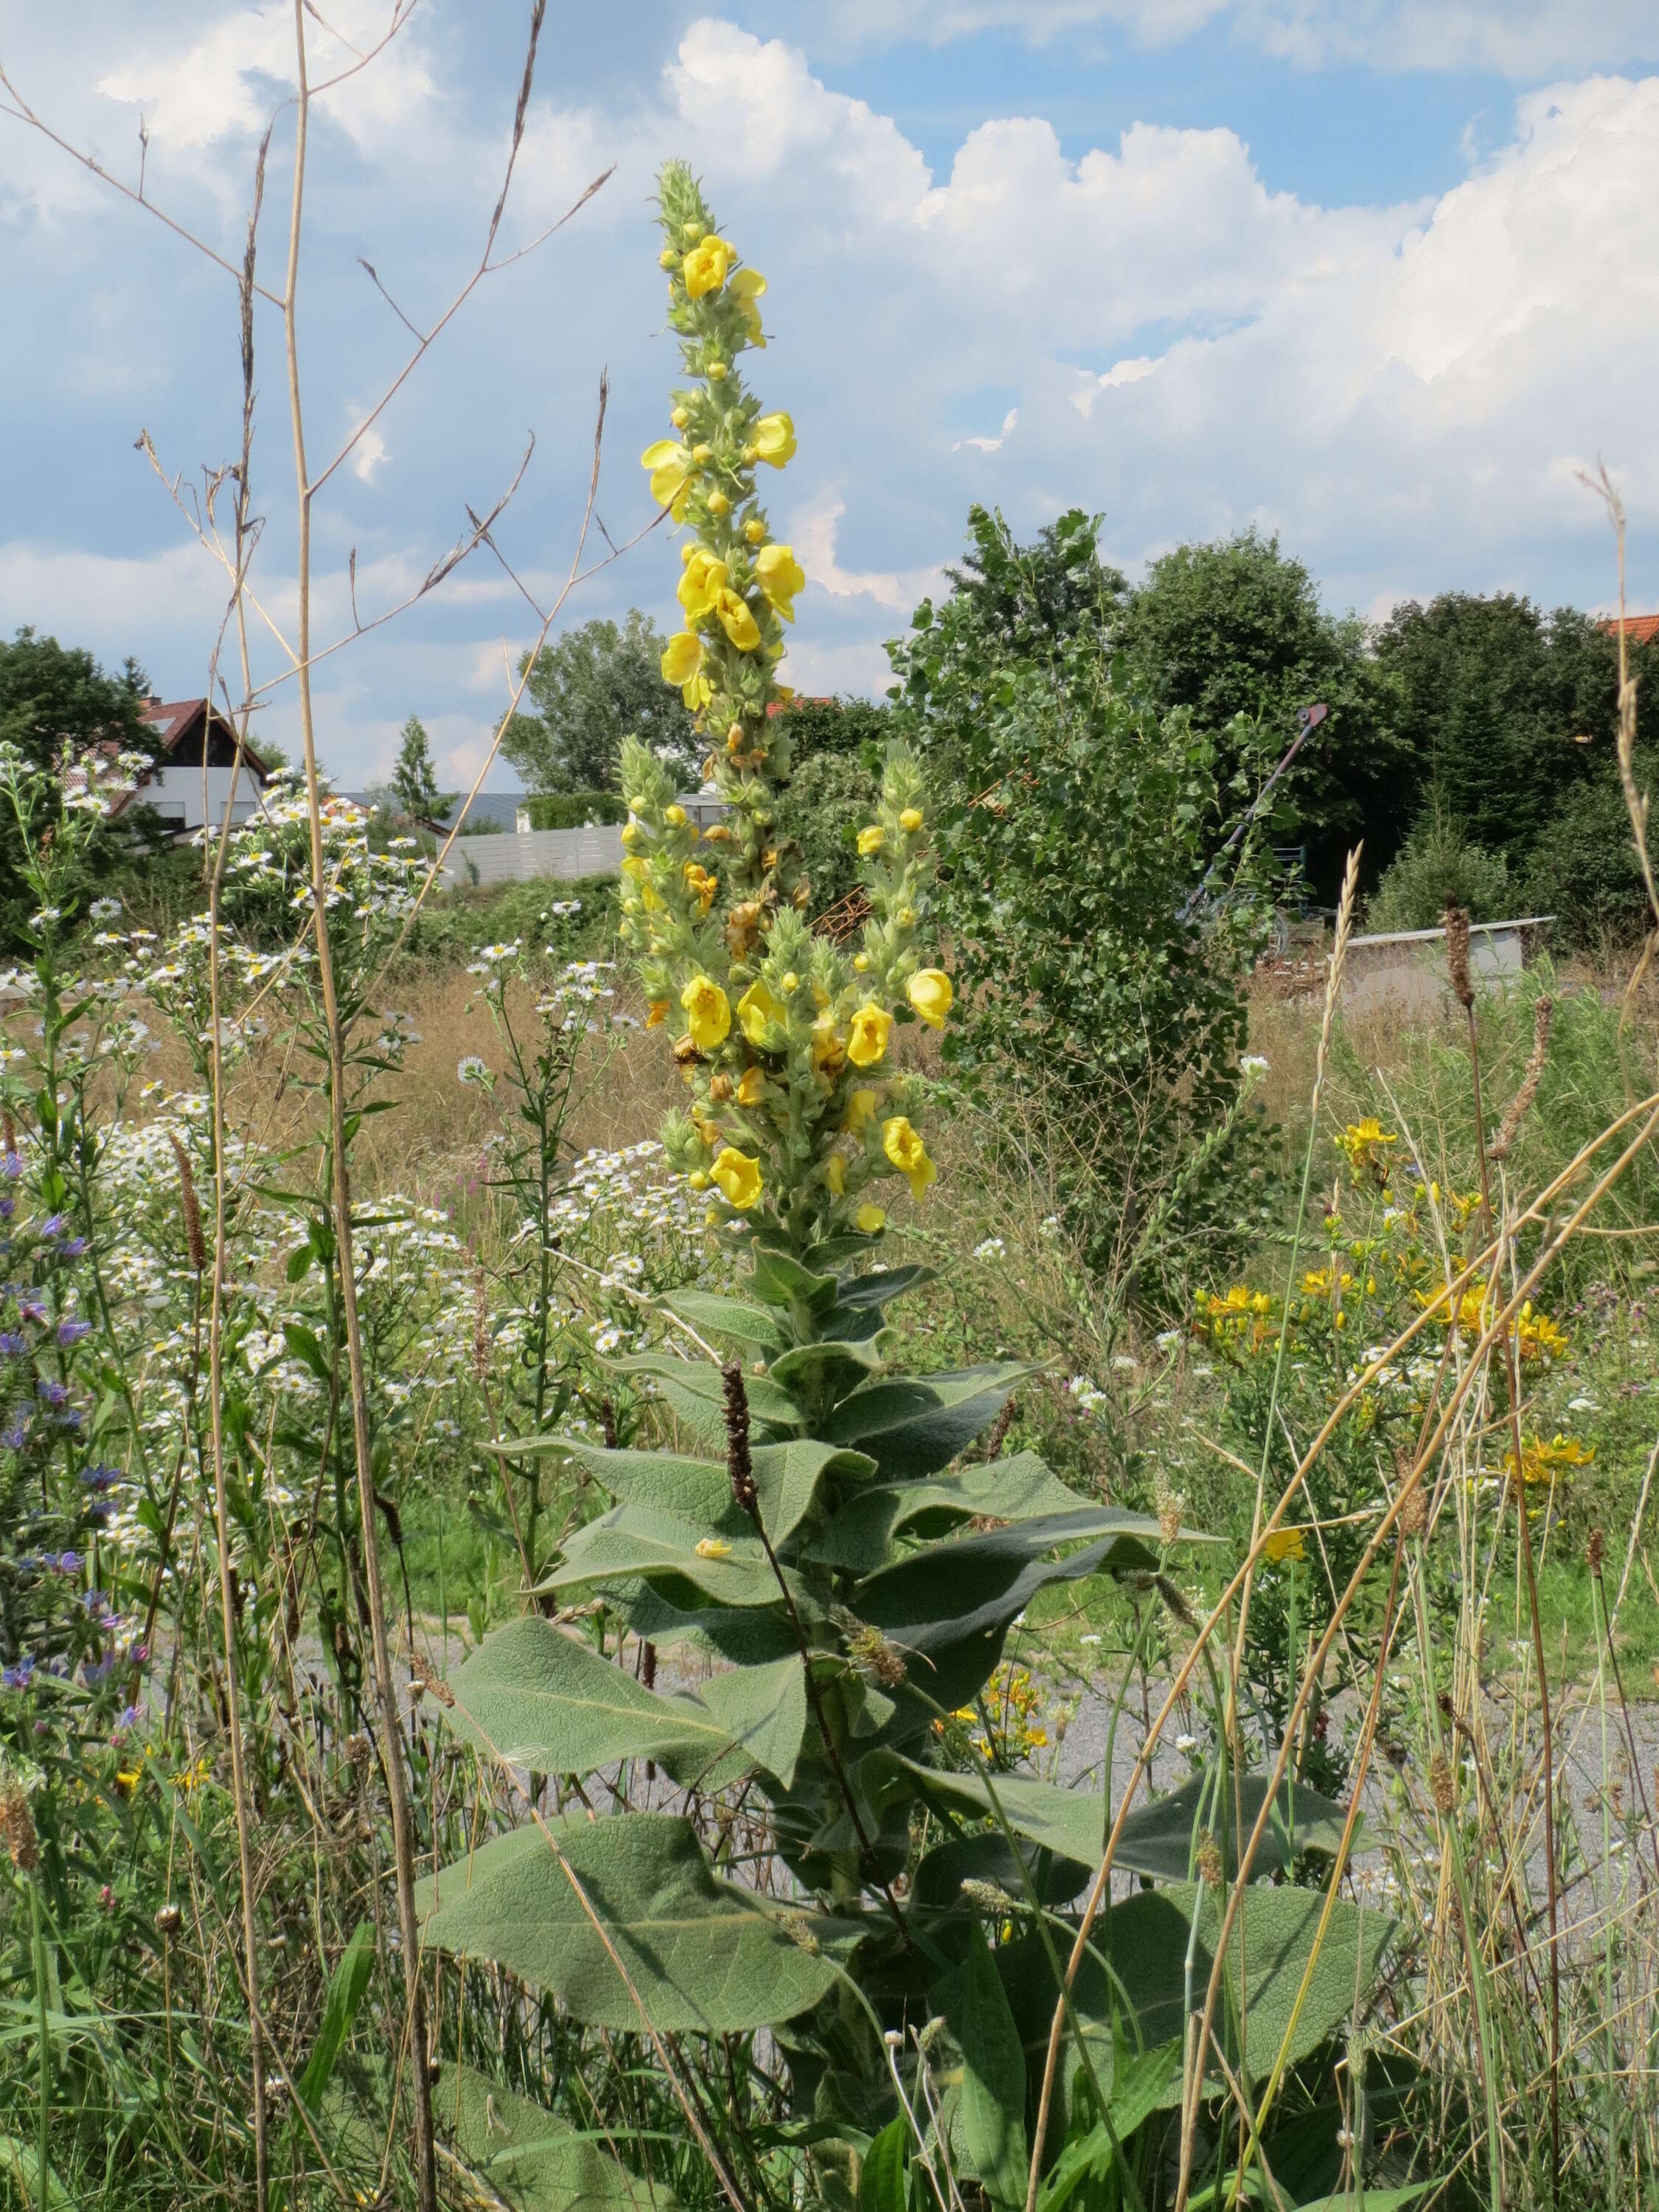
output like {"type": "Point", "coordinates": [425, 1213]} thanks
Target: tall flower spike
{"type": "Point", "coordinates": [786, 1041]}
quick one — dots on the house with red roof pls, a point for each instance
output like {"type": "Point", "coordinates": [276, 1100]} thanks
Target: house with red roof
{"type": "Point", "coordinates": [191, 781]}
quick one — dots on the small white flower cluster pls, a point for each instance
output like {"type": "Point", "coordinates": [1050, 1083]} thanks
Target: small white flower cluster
{"type": "Point", "coordinates": [1088, 1398]}
{"type": "Point", "coordinates": [993, 1247]}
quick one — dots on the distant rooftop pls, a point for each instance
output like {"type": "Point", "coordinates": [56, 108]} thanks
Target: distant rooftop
{"type": "Point", "coordinates": [1640, 630]}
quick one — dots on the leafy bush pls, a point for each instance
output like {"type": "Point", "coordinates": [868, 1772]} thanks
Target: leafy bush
{"type": "Point", "coordinates": [1584, 868]}
{"type": "Point", "coordinates": [833, 795]}
{"type": "Point", "coordinates": [574, 810]}
{"type": "Point", "coordinates": [1074, 846]}
{"type": "Point", "coordinates": [1435, 865]}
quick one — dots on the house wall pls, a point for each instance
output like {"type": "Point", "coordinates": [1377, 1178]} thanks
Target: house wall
{"type": "Point", "coordinates": [175, 792]}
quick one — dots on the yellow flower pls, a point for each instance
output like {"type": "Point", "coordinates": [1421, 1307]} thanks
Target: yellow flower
{"type": "Point", "coordinates": [1365, 1145]}
{"type": "Point", "coordinates": [755, 530]}
{"type": "Point", "coordinates": [670, 466]}
{"type": "Point", "coordinates": [711, 1547]}
{"type": "Point", "coordinates": [701, 885]}
{"type": "Point", "coordinates": [929, 992]}
{"type": "Point", "coordinates": [860, 1106]}
{"type": "Point", "coordinates": [746, 288]}
{"type": "Point", "coordinates": [718, 502]}
{"type": "Point", "coordinates": [738, 621]}
{"type": "Point", "coordinates": [780, 577]}
{"type": "Point", "coordinates": [656, 1014]}
{"type": "Point", "coordinates": [674, 814]}
{"type": "Point", "coordinates": [870, 840]}
{"type": "Point", "coordinates": [682, 664]}
{"type": "Point", "coordinates": [773, 440]}
{"type": "Point", "coordinates": [903, 1147]}
{"type": "Point", "coordinates": [910, 820]}
{"type": "Point", "coordinates": [758, 1010]}
{"type": "Point", "coordinates": [1539, 1337]}
{"type": "Point", "coordinates": [709, 1012]}
{"type": "Point", "coordinates": [1285, 1544]}
{"type": "Point", "coordinates": [738, 1176]}
{"type": "Point", "coordinates": [866, 1039]}
{"type": "Point", "coordinates": [706, 266]}
{"type": "Point", "coordinates": [699, 588]}
{"type": "Point", "coordinates": [835, 1173]}
{"type": "Point", "coordinates": [870, 1219]}
{"type": "Point", "coordinates": [1539, 1460]}
{"type": "Point", "coordinates": [829, 1046]}
{"type": "Point", "coordinates": [751, 1085]}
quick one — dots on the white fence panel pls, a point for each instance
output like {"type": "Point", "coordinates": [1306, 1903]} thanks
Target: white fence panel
{"type": "Point", "coordinates": [522, 856]}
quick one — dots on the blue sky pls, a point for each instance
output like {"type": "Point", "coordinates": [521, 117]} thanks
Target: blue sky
{"type": "Point", "coordinates": [1378, 275]}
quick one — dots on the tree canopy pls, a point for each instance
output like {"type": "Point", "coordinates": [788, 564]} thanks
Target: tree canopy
{"type": "Point", "coordinates": [589, 690]}
{"type": "Point", "coordinates": [414, 787]}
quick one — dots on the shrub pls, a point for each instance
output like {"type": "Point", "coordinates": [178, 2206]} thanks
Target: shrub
{"type": "Point", "coordinates": [1435, 865]}
{"type": "Point", "coordinates": [834, 794]}
{"type": "Point", "coordinates": [574, 810]}
{"type": "Point", "coordinates": [1584, 869]}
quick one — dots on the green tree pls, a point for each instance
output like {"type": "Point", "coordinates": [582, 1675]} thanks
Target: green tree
{"type": "Point", "coordinates": [414, 779]}
{"type": "Point", "coordinates": [592, 688]}
{"type": "Point", "coordinates": [57, 704]}
{"type": "Point", "coordinates": [1504, 710]}
{"type": "Point", "coordinates": [1081, 819]}
{"type": "Point", "coordinates": [1233, 628]}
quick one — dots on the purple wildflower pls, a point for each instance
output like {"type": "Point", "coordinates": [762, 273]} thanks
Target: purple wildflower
{"type": "Point", "coordinates": [71, 1332]}
{"type": "Point", "coordinates": [53, 1225]}
{"type": "Point", "coordinates": [54, 1393]}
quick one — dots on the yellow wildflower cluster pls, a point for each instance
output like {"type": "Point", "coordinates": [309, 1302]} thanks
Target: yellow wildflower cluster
{"type": "Point", "coordinates": [1364, 1145]}
{"type": "Point", "coordinates": [1237, 1320]}
{"type": "Point", "coordinates": [783, 1037]}
{"type": "Point", "coordinates": [1544, 1462]}
{"type": "Point", "coordinates": [1536, 1335]}
{"type": "Point", "coordinates": [1285, 1544]}
{"type": "Point", "coordinates": [1009, 1727]}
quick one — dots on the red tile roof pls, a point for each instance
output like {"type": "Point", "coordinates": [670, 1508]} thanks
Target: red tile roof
{"type": "Point", "coordinates": [1639, 629]}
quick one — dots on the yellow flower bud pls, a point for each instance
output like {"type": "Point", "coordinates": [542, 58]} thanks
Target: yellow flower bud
{"type": "Point", "coordinates": [702, 455]}
{"type": "Point", "coordinates": [630, 832]}
{"type": "Point", "coordinates": [791, 982]}
{"type": "Point", "coordinates": [871, 841]}
{"type": "Point", "coordinates": [697, 1179]}
{"type": "Point", "coordinates": [668, 258]}
{"type": "Point", "coordinates": [861, 962]}
{"type": "Point", "coordinates": [774, 439]}
{"type": "Point", "coordinates": [715, 371]}
{"type": "Point", "coordinates": [834, 1173]}
{"type": "Point", "coordinates": [691, 231]}
{"type": "Point", "coordinates": [718, 502]}
{"type": "Point", "coordinates": [910, 820]}
{"type": "Point", "coordinates": [674, 814]}
{"type": "Point", "coordinates": [755, 530]}
{"type": "Point", "coordinates": [679, 418]}
{"type": "Point", "coordinates": [750, 455]}
{"type": "Point", "coordinates": [871, 1219]}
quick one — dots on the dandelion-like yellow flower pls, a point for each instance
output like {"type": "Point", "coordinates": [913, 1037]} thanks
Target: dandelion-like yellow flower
{"type": "Point", "coordinates": [1365, 1145]}
{"type": "Point", "coordinates": [866, 1040]}
{"type": "Point", "coordinates": [1539, 1337]}
{"type": "Point", "coordinates": [1285, 1544]}
{"type": "Point", "coordinates": [929, 992]}
{"type": "Point", "coordinates": [903, 1147]}
{"type": "Point", "coordinates": [709, 1011]}
{"type": "Point", "coordinates": [738, 1178]}
{"type": "Point", "coordinates": [1541, 1461]}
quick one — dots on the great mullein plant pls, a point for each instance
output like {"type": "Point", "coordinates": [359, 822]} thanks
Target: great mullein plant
{"type": "Point", "coordinates": [824, 1532]}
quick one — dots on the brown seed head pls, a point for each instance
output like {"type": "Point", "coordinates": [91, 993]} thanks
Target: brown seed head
{"type": "Point", "coordinates": [194, 1242]}
{"type": "Point", "coordinates": [739, 1464]}
{"type": "Point", "coordinates": [169, 1920]}
{"type": "Point", "coordinates": [1212, 1868]}
{"type": "Point", "coordinates": [1457, 953]}
{"type": "Point", "coordinates": [17, 1828]}
{"type": "Point", "coordinates": [1413, 1509]}
{"type": "Point", "coordinates": [1595, 1551]}
{"type": "Point", "coordinates": [1169, 1506]}
{"type": "Point", "coordinates": [1443, 1786]}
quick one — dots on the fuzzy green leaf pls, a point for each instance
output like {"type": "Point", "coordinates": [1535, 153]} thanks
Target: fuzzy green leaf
{"type": "Point", "coordinates": [532, 2161]}
{"type": "Point", "coordinates": [860, 1537]}
{"type": "Point", "coordinates": [536, 1698]}
{"type": "Point", "coordinates": [634, 1539]}
{"type": "Point", "coordinates": [697, 1392]}
{"type": "Point", "coordinates": [818, 1373]}
{"type": "Point", "coordinates": [913, 1426]}
{"type": "Point", "coordinates": [698, 1492]}
{"type": "Point", "coordinates": [702, 1958]}
{"type": "Point", "coordinates": [713, 1315]}
{"type": "Point", "coordinates": [992, 2093]}
{"type": "Point", "coordinates": [762, 1710]}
